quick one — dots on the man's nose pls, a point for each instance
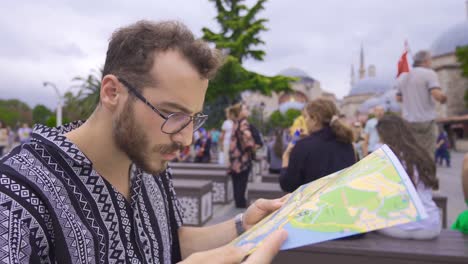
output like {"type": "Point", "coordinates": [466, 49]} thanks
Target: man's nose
{"type": "Point", "coordinates": [185, 136]}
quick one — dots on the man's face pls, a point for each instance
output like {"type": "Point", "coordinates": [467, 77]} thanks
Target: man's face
{"type": "Point", "coordinates": [137, 129]}
{"type": "Point", "coordinates": [379, 112]}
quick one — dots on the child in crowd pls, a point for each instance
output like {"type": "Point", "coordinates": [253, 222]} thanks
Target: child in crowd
{"type": "Point", "coordinates": [396, 133]}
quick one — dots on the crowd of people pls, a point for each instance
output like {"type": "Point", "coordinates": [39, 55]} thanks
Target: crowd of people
{"type": "Point", "coordinates": [9, 137]}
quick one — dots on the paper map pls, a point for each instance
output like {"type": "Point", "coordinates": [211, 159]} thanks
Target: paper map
{"type": "Point", "coordinates": [372, 194]}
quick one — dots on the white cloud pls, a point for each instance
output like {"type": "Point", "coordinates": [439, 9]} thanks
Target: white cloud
{"type": "Point", "coordinates": [54, 40]}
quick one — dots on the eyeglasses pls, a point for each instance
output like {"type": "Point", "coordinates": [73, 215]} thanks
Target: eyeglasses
{"type": "Point", "coordinates": [174, 122]}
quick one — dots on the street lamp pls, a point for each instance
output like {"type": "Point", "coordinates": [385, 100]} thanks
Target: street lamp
{"type": "Point", "coordinates": [59, 104]}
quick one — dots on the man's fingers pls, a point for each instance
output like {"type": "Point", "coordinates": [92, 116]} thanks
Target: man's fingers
{"type": "Point", "coordinates": [285, 198]}
{"type": "Point", "coordinates": [269, 248]}
{"type": "Point", "coordinates": [268, 205]}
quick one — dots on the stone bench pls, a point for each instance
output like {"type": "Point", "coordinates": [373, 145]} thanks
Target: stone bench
{"type": "Point", "coordinates": [271, 178]}
{"type": "Point", "coordinates": [441, 202]}
{"type": "Point", "coordinates": [195, 198]}
{"type": "Point", "coordinates": [263, 190]}
{"type": "Point", "coordinates": [269, 190]}
{"type": "Point", "coordinates": [222, 185]}
{"type": "Point", "coordinates": [449, 247]}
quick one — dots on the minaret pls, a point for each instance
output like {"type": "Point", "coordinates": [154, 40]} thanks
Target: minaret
{"type": "Point", "coordinates": [362, 67]}
{"type": "Point", "coordinates": [371, 71]}
{"type": "Point", "coordinates": [353, 78]}
{"type": "Point", "coordinates": [466, 8]}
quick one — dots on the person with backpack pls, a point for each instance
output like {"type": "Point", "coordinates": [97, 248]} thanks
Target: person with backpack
{"type": "Point", "coordinates": [241, 152]}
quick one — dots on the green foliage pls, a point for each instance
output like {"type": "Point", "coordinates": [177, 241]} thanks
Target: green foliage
{"type": "Point", "coordinates": [14, 111]}
{"type": "Point", "coordinates": [82, 105]}
{"type": "Point", "coordinates": [52, 121]}
{"type": "Point", "coordinates": [279, 120]}
{"type": "Point", "coordinates": [462, 57]}
{"type": "Point", "coordinates": [238, 38]}
{"type": "Point", "coordinates": [40, 114]}
{"type": "Point", "coordinates": [239, 29]}
{"type": "Point", "coordinates": [256, 118]}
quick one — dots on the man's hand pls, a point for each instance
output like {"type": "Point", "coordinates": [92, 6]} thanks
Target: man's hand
{"type": "Point", "coordinates": [260, 209]}
{"type": "Point", "coordinates": [232, 254]}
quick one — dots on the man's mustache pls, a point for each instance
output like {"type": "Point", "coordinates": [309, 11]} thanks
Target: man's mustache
{"type": "Point", "coordinates": [166, 149]}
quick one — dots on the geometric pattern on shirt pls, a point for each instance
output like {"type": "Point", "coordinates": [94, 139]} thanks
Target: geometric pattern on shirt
{"type": "Point", "coordinates": [36, 166]}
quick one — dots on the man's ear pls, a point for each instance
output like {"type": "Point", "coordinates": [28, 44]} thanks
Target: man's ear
{"type": "Point", "coordinates": [112, 91]}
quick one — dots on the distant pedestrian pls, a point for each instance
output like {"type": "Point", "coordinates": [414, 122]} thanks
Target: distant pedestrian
{"type": "Point", "coordinates": [442, 149]}
{"type": "Point", "coordinates": [225, 137]}
{"type": "Point", "coordinates": [327, 149]}
{"type": "Point", "coordinates": [3, 138]}
{"type": "Point", "coordinates": [371, 137]}
{"type": "Point", "coordinates": [241, 152]}
{"type": "Point", "coordinates": [275, 150]}
{"type": "Point", "coordinates": [24, 133]}
{"type": "Point", "coordinates": [203, 147]}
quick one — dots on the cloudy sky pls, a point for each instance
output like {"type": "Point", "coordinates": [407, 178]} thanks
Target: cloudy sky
{"type": "Point", "coordinates": [52, 40]}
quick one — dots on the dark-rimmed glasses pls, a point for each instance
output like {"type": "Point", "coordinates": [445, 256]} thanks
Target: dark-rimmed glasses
{"type": "Point", "coordinates": [174, 122]}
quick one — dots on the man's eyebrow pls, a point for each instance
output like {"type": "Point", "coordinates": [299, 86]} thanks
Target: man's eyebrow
{"type": "Point", "coordinates": [176, 106]}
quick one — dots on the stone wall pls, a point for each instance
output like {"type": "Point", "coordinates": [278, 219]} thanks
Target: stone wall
{"type": "Point", "coordinates": [452, 83]}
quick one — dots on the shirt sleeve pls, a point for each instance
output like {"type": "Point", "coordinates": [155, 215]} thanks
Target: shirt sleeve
{"type": "Point", "coordinates": [432, 81]}
{"type": "Point", "coordinates": [15, 225]}
{"type": "Point", "coordinates": [177, 208]}
{"type": "Point", "coordinates": [397, 85]}
{"type": "Point", "coordinates": [293, 176]}
{"type": "Point", "coordinates": [367, 127]}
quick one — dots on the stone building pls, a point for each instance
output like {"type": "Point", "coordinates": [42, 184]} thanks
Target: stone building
{"type": "Point", "coordinates": [368, 91]}
{"type": "Point", "coordinates": [304, 89]}
{"type": "Point", "coordinates": [444, 62]}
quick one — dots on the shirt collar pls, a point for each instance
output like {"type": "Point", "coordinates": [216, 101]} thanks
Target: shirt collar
{"type": "Point", "coordinates": [55, 136]}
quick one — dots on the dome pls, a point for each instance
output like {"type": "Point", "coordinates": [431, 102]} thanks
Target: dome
{"type": "Point", "coordinates": [447, 42]}
{"type": "Point", "coordinates": [297, 73]}
{"type": "Point", "coordinates": [294, 72]}
{"type": "Point", "coordinates": [387, 100]}
{"type": "Point", "coordinates": [371, 85]}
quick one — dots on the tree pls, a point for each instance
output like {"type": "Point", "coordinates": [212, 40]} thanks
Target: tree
{"type": "Point", "coordinates": [40, 114]}
{"type": "Point", "coordinates": [81, 104]}
{"type": "Point", "coordinates": [238, 39]}
{"type": "Point", "coordinates": [462, 56]}
{"type": "Point", "coordinates": [88, 94]}
{"type": "Point", "coordinates": [279, 120]}
{"type": "Point", "coordinates": [239, 33]}
{"type": "Point", "coordinates": [15, 111]}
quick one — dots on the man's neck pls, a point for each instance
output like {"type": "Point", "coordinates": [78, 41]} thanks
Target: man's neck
{"type": "Point", "coordinates": [94, 138]}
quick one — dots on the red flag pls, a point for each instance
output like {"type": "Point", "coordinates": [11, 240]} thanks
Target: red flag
{"type": "Point", "coordinates": [403, 65]}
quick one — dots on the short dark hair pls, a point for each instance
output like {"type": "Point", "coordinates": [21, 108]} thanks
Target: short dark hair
{"type": "Point", "coordinates": [131, 50]}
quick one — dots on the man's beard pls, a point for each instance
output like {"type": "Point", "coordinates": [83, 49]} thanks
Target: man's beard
{"type": "Point", "coordinates": [132, 140]}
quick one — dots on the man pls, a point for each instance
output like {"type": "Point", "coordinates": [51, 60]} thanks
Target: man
{"type": "Point", "coordinates": [371, 137]}
{"type": "Point", "coordinates": [225, 137]}
{"type": "Point", "coordinates": [99, 191]}
{"type": "Point", "coordinates": [417, 91]}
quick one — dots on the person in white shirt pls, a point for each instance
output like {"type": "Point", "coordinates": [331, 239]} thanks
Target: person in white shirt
{"type": "Point", "coordinates": [397, 134]}
{"type": "Point", "coordinates": [24, 133]}
{"type": "Point", "coordinates": [371, 137]}
{"type": "Point", "coordinates": [225, 137]}
{"type": "Point", "coordinates": [418, 90]}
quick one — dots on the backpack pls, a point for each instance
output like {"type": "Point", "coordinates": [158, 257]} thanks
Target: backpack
{"type": "Point", "coordinates": [256, 135]}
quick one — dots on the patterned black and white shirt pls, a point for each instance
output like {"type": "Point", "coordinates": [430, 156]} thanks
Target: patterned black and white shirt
{"type": "Point", "coordinates": [54, 208]}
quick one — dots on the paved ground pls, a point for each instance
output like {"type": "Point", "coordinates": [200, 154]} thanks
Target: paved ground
{"type": "Point", "coordinates": [449, 180]}
{"type": "Point", "coordinates": [450, 185]}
